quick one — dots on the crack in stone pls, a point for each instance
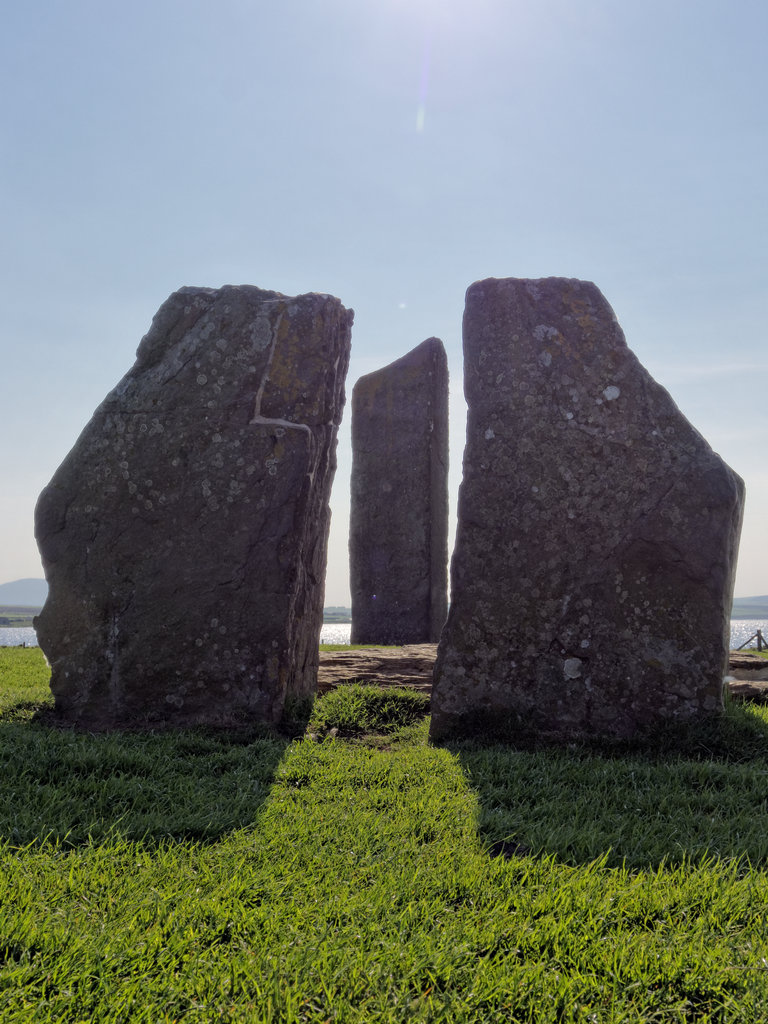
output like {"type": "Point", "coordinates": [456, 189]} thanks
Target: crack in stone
{"type": "Point", "coordinates": [270, 359]}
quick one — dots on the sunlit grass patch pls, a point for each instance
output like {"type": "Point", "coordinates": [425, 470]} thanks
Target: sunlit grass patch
{"type": "Point", "coordinates": [198, 876]}
{"type": "Point", "coordinates": [24, 676]}
{"type": "Point", "coordinates": [358, 708]}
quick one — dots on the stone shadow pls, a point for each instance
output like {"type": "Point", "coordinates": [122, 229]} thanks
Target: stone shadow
{"type": "Point", "coordinates": [67, 787]}
{"type": "Point", "coordinates": [688, 795]}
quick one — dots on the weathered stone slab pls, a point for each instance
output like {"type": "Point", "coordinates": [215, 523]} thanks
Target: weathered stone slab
{"type": "Point", "coordinates": [744, 665]}
{"type": "Point", "coordinates": [743, 691]}
{"type": "Point", "coordinates": [398, 542]}
{"type": "Point", "coordinates": [184, 536]}
{"type": "Point", "coordinates": [597, 536]}
{"type": "Point", "coordinates": [409, 666]}
{"type": "Point", "coordinates": [412, 666]}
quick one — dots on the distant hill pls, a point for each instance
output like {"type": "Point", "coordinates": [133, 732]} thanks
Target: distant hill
{"type": "Point", "coordinates": [337, 613]}
{"type": "Point", "coordinates": [750, 607]}
{"type": "Point", "coordinates": [30, 593]}
{"type": "Point", "coordinates": [33, 594]}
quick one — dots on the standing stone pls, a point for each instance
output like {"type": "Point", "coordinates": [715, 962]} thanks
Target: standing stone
{"type": "Point", "coordinates": [184, 536]}
{"type": "Point", "coordinates": [597, 535]}
{"type": "Point", "coordinates": [398, 542]}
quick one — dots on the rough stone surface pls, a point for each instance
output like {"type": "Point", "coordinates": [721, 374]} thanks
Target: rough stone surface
{"type": "Point", "coordinates": [744, 691]}
{"type": "Point", "coordinates": [184, 536]}
{"type": "Point", "coordinates": [747, 666]}
{"type": "Point", "coordinates": [597, 537]}
{"type": "Point", "coordinates": [398, 542]}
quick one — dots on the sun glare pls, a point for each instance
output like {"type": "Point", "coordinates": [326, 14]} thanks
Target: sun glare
{"type": "Point", "coordinates": [455, 38]}
{"type": "Point", "coordinates": [451, 14]}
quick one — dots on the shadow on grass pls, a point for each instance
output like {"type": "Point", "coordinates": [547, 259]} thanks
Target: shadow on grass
{"type": "Point", "coordinates": [689, 794]}
{"type": "Point", "coordinates": [68, 787]}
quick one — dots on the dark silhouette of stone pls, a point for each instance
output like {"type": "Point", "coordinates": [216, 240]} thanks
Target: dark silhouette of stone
{"type": "Point", "coordinates": [398, 540]}
{"type": "Point", "coordinates": [597, 536]}
{"type": "Point", "coordinates": [184, 536]}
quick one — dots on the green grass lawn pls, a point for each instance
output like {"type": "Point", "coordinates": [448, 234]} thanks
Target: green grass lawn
{"type": "Point", "coordinates": [196, 876]}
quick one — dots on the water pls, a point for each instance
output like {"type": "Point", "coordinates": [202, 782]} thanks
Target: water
{"type": "Point", "coordinates": [335, 632]}
{"type": "Point", "coordinates": [11, 636]}
{"type": "Point", "coordinates": [338, 633]}
{"type": "Point", "coordinates": [331, 633]}
{"type": "Point", "coordinates": [743, 629]}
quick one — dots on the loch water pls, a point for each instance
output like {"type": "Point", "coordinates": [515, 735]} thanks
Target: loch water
{"type": "Point", "coordinates": [10, 636]}
{"type": "Point", "coordinates": [338, 633]}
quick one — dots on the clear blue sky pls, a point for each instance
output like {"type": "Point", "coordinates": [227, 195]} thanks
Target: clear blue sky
{"type": "Point", "coordinates": [390, 152]}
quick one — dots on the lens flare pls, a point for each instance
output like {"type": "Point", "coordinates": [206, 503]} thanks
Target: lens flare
{"type": "Point", "coordinates": [426, 60]}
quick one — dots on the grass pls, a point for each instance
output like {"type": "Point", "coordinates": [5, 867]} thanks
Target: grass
{"type": "Point", "coordinates": [23, 682]}
{"type": "Point", "coordinates": [362, 708]}
{"type": "Point", "coordinates": [196, 877]}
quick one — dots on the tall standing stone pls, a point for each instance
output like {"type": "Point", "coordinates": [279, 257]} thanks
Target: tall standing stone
{"type": "Point", "coordinates": [184, 536]}
{"type": "Point", "coordinates": [399, 517]}
{"type": "Point", "coordinates": [597, 534]}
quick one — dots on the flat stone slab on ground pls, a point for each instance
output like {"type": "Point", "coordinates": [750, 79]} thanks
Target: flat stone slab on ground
{"type": "Point", "coordinates": [408, 666]}
{"type": "Point", "coordinates": [743, 690]}
{"type": "Point", "coordinates": [412, 665]}
{"type": "Point", "coordinates": [745, 666]}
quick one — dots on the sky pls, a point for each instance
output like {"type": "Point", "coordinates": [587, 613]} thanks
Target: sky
{"type": "Point", "coordinates": [389, 152]}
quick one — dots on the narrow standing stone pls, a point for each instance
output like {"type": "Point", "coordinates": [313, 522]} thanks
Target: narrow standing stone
{"type": "Point", "coordinates": [399, 518]}
{"type": "Point", "coordinates": [597, 535]}
{"type": "Point", "coordinates": [184, 536]}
